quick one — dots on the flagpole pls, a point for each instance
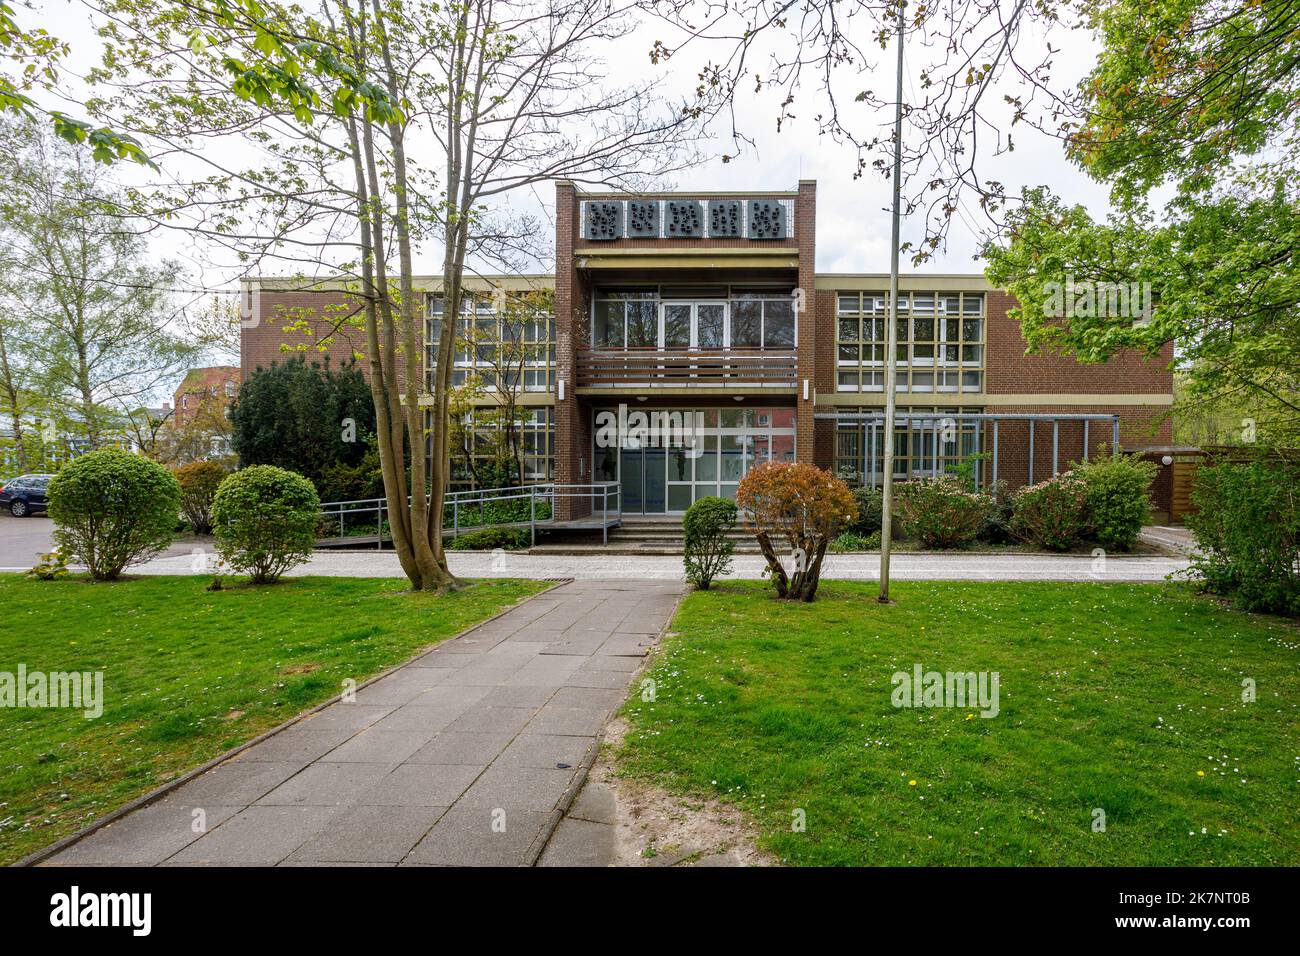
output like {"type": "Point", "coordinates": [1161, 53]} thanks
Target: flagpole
{"type": "Point", "coordinates": [891, 331]}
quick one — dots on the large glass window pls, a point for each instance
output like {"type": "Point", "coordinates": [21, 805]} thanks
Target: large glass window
{"type": "Point", "coordinates": [711, 450]}
{"type": "Point", "coordinates": [928, 441]}
{"type": "Point", "coordinates": [704, 318]}
{"type": "Point", "coordinates": [514, 347]}
{"type": "Point", "coordinates": [940, 341]}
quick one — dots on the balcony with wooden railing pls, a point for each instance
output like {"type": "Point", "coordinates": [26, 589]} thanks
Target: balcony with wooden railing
{"type": "Point", "coordinates": [734, 368]}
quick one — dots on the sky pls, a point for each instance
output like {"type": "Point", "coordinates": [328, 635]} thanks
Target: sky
{"type": "Point", "coordinates": [853, 213]}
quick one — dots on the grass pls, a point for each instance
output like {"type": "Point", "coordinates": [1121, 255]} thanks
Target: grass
{"type": "Point", "coordinates": [1123, 698]}
{"type": "Point", "coordinates": [189, 673]}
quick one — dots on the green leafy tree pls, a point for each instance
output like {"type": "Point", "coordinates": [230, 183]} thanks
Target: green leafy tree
{"type": "Point", "coordinates": [306, 417]}
{"type": "Point", "coordinates": [89, 320]}
{"type": "Point", "coordinates": [1196, 99]}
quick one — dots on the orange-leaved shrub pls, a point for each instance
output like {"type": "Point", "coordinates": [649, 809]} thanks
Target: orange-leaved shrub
{"type": "Point", "coordinates": [806, 505]}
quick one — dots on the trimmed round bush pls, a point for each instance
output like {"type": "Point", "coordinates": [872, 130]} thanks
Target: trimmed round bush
{"type": "Point", "coordinates": [112, 509]}
{"type": "Point", "coordinates": [706, 526]}
{"type": "Point", "coordinates": [264, 519]}
{"type": "Point", "coordinates": [1119, 498]}
{"type": "Point", "coordinates": [199, 482]}
{"type": "Point", "coordinates": [941, 513]}
{"type": "Point", "coordinates": [1053, 514]}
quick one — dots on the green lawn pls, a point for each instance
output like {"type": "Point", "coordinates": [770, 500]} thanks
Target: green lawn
{"type": "Point", "coordinates": [1126, 698]}
{"type": "Point", "coordinates": [189, 673]}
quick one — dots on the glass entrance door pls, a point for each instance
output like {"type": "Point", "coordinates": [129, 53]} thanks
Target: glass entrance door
{"type": "Point", "coordinates": [644, 480]}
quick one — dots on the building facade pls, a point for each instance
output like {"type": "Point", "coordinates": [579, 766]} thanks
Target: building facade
{"type": "Point", "coordinates": [691, 338]}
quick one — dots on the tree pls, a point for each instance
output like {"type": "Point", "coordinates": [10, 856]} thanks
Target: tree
{"type": "Point", "coordinates": [511, 94]}
{"type": "Point", "coordinates": [99, 332]}
{"type": "Point", "coordinates": [303, 417]}
{"type": "Point", "coordinates": [1194, 99]}
{"type": "Point", "coordinates": [806, 505]}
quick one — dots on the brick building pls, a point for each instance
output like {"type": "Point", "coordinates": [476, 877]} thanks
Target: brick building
{"type": "Point", "coordinates": [204, 392]}
{"type": "Point", "coordinates": [704, 313]}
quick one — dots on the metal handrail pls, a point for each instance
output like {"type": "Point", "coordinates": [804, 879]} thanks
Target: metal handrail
{"type": "Point", "coordinates": [598, 493]}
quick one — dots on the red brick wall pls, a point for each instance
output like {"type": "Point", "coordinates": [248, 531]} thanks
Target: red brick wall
{"type": "Point", "coordinates": [1009, 369]}
{"type": "Point", "coordinates": [267, 335]}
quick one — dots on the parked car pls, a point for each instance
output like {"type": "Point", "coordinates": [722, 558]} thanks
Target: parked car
{"type": "Point", "coordinates": [25, 495]}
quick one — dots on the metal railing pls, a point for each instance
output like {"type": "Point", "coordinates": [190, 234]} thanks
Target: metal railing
{"type": "Point", "coordinates": [652, 366]}
{"type": "Point", "coordinates": [520, 506]}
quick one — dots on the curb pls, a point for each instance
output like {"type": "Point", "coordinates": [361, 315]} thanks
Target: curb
{"type": "Point", "coordinates": [158, 793]}
{"type": "Point", "coordinates": [579, 781]}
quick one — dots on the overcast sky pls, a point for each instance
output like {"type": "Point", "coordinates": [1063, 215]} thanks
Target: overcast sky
{"type": "Point", "coordinates": [852, 214]}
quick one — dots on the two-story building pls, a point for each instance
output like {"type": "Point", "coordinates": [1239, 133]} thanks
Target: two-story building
{"type": "Point", "coordinates": [703, 314]}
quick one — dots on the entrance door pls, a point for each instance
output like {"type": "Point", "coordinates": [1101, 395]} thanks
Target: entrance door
{"type": "Point", "coordinates": [644, 478]}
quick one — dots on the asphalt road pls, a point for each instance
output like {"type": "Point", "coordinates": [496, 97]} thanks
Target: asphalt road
{"type": "Point", "coordinates": [24, 540]}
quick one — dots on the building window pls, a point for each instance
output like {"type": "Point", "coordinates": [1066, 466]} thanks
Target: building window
{"type": "Point", "coordinates": [685, 317]}
{"type": "Point", "coordinates": [929, 441]}
{"type": "Point", "coordinates": [940, 341]}
{"type": "Point", "coordinates": [230, 389]}
{"type": "Point", "coordinates": [516, 347]}
{"type": "Point", "coordinates": [483, 439]}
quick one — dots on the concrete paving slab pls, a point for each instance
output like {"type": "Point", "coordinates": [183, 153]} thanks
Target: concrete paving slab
{"type": "Point", "coordinates": [519, 788]}
{"type": "Point", "coordinates": [377, 746]}
{"type": "Point", "coordinates": [257, 836]}
{"type": "Point", "coordinates": [595, 803]}
{"type": "Point", "coordinates": [365, 834]}
{"type": "Point", "coordinates": [421, 785]}
{"type": "Point", "coordinates": [457, 748]}
{"type": "Point", "coordinates": [479, 836]}
{"type": "Point", "coordinates": [580, 843]}
{"type": "Point", "coordinates": [547, 751]}
{"type": "Point", "coordinates": [146, 837]}
{"type": "Point", "coordinates": [325, 785]}
{"type": "Point", "coordinates": [236, 783]}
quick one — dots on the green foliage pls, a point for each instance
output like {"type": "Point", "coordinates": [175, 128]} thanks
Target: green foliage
{"type": "Point", "coordinates": [1053, 513]}
{"type": "Point", "coordinates": [50, 567]}
{"type": "Point", "coordinates": [851, 541]}
{"type": "Point", "coordinates": [1198, 100]}
{"type": "Point", "coordinates": [1247, 528]}
{"type": "Point", "coordinates": [1119, 498]}
{"type": "Point", "coordinates": [871, 506]}
{"type": "Point", "coordinates": [363, 481]}
{"type": "Point", "coordinates": [706, 527]}
{"type": "Point", "coordinates": [199, 481]}
{"type": "Point", "coordinates": [300, 416]}
{"type": "Point", "coordinates": [489, 539]}
{"type": "Point", "coordinates": [940, 512]}
{"type": "Point", "coordinates": [112, 509]}
{"type": "Point", "coordinates": [997, 523]}
{"type": "Point", "coordinates": [265, 521]}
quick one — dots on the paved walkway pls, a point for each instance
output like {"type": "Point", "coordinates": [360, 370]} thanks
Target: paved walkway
{"type": "Point", "coordinates": [668, 567]}
{"type": "Point", "coordinates": [461, 757]}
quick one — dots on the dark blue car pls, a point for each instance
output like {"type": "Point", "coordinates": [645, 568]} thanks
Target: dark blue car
{"type": "Point", "coordinates": [25, 494]}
